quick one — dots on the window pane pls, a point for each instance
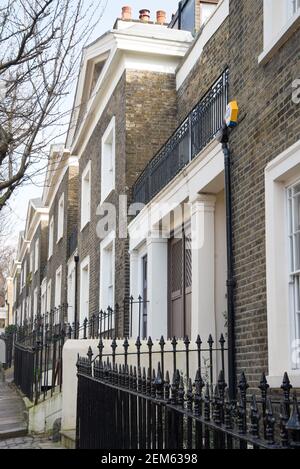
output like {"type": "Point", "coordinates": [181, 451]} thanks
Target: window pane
{"type": "Point", "coordinates": [297, 293]}
{"type": "Point", "coordinates": [297, 251]}
{"type": "Point", "coordinates": [206, 11]}
{"type": "Point", "coordinates": [297, 189]}
{"type": "Point", "coordinates": [291, 254]}
{"type": "Point", "coordinates": [297, 213]}
{"type": "Point", "coordinates": [290, 215]}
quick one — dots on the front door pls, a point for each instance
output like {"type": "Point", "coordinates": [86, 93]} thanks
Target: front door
{"type": "Point", "coordinates": [180, 286]}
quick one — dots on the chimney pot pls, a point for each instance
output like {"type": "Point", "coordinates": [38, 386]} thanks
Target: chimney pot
{"type": "Point", "coordinates": [161, 17]}
{"type": "Point", "coordinates": [145, 15]}
{"type": "Point", "coordinates": [126, 13]}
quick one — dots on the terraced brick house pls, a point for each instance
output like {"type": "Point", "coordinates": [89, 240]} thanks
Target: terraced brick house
{"type": "Point", "coordinates": [23, 260]}
{"type": "Point", "coordinates": [15, 274]}
{"type": "Point", "coordinates": [60, 196]}
{"type": "Point", "coordinates": [124, 109]}
{"type": "Point", "coordinates": [149, 101]}
{"type": "Point", "coordinates": [265, 193]}
{"type": "Point", "coordinates": [178, 241]}
{"type": "Point", "coordinates": [36, 232]}
{"type": "Point", "coordinates": [264, 78]}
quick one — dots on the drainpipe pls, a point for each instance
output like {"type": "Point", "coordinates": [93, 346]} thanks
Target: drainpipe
{"type": "Point", "coordinates": [223, 138]}
{"type": "Point", "coordinates": [76, 260]}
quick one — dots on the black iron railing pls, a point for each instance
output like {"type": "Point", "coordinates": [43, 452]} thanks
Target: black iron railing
{"type": "Point", "coordinates": [38, 348]}
{"type": "Point", "coordinates": [195, 132]}
{"type": "Point", "coordinates": [148, 407]}
{"type": "Point", "coordinates": [38, 345]}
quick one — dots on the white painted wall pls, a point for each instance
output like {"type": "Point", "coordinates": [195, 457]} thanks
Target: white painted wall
{"type": "Point", "coordinates": [42, 416]}
{"type": "Point", "coordinates": [157, 287]}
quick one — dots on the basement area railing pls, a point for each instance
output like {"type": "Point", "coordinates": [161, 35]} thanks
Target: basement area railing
{"type": "Point", "coordinates": [162, 406]}
{"type": "Point", "coordinates": [38, 345]}
{"type": "Point", "coordinates": [195, 132]}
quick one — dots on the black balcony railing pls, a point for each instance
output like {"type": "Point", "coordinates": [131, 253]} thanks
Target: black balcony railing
{"type": "Point", "coordinates": [195, 132]}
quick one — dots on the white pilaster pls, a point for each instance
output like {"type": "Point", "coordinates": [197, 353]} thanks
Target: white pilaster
{"type": "Point", "coordinates": [157, 248]}
{"type": "Point", "coordinates": [203, 266]}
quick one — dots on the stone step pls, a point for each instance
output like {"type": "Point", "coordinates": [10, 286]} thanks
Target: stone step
{"type": "Point", "coordinates": [8, 431]}
{"type": "Point", "coordinates": [68, 439]}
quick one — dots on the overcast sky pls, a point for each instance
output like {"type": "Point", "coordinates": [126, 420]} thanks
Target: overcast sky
{"type": "Point", "coordinates": [18, 204]}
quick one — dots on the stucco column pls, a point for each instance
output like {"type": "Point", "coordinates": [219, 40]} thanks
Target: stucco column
{"type": "Point", "coordinates": [157, 248]}
{"type": "Point", "coordinates": [203, 319]}
{"type": "Point", "coordinates": [134, 288]}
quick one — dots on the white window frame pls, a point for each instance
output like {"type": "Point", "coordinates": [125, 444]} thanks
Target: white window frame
{"type": "Point", "coordinates": [48, 298]}
{"type": "Point", "coordinates": [280, 173]}
{"type": "Point", "coordinates": [108, 150]}
{"type": "Point", "coordinates": [294, 270]}
{"type": "Point", "coordinates": [51, 238]}
{"type": "Point", "coordinates": [44, 297]}
{"type": "Point", "coordinates": [71, 291]}
{"type": "Point", "coordinates": [31, 262]}
{"type": "Point", "coordinates": [58, 286]}
{"type": "Point", "coordinates": [35, 302]}
{"type": "Point", "coordinates": [24, 273]}
{"type": "Point", "coordinates": [108, 244]}
{"type": "Point", "coordinates": [293, 7]}
{"type": "Point", "coordinates": [15, 288]}
{"type": "Point", "coordinates": [36, 255]}
{"type": "Point", "coordinates": [60, 218]}
{"type": "Point", "coordinates": [84, 290]}
{"type": "Point", "coordinates": [28, 307]}
{"type": "Point", "coordinates": [136, 282]}
{"type": "Point", "coordinates": [280, 23]}
{"type": "Point", "coordinates": [24, 310]}
{"type": "Point", "coordinates": [86, 195]}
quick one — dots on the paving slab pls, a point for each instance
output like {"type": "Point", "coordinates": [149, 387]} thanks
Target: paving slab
{"type": "Point", "coordinates": [12, 416]}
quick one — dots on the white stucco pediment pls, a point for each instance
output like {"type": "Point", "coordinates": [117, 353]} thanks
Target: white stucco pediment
{"type": "Point", "coordinates": [139, 47]}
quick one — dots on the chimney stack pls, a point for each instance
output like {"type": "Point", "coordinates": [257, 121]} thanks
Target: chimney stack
{"type": "Point", "coordinates": [161, 17]}
{"type": "Point", "coordinates": [145, 15]}
{"type": "Point", "coordinates": [126, 13]}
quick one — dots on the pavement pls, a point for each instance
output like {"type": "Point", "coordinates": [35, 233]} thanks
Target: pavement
{"type": "Point", "coordinates": [13, 424]}
{"type": "Point", "coordinates": [29, 442]}
{"type": "Point", "coordinates": [12, 413]}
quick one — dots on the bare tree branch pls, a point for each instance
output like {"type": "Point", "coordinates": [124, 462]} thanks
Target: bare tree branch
{"type": "Point", "coordinates": [41, 43]}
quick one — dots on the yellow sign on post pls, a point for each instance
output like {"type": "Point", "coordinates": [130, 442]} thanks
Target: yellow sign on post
{"type": "Point", "coordinates": [232, 112]}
